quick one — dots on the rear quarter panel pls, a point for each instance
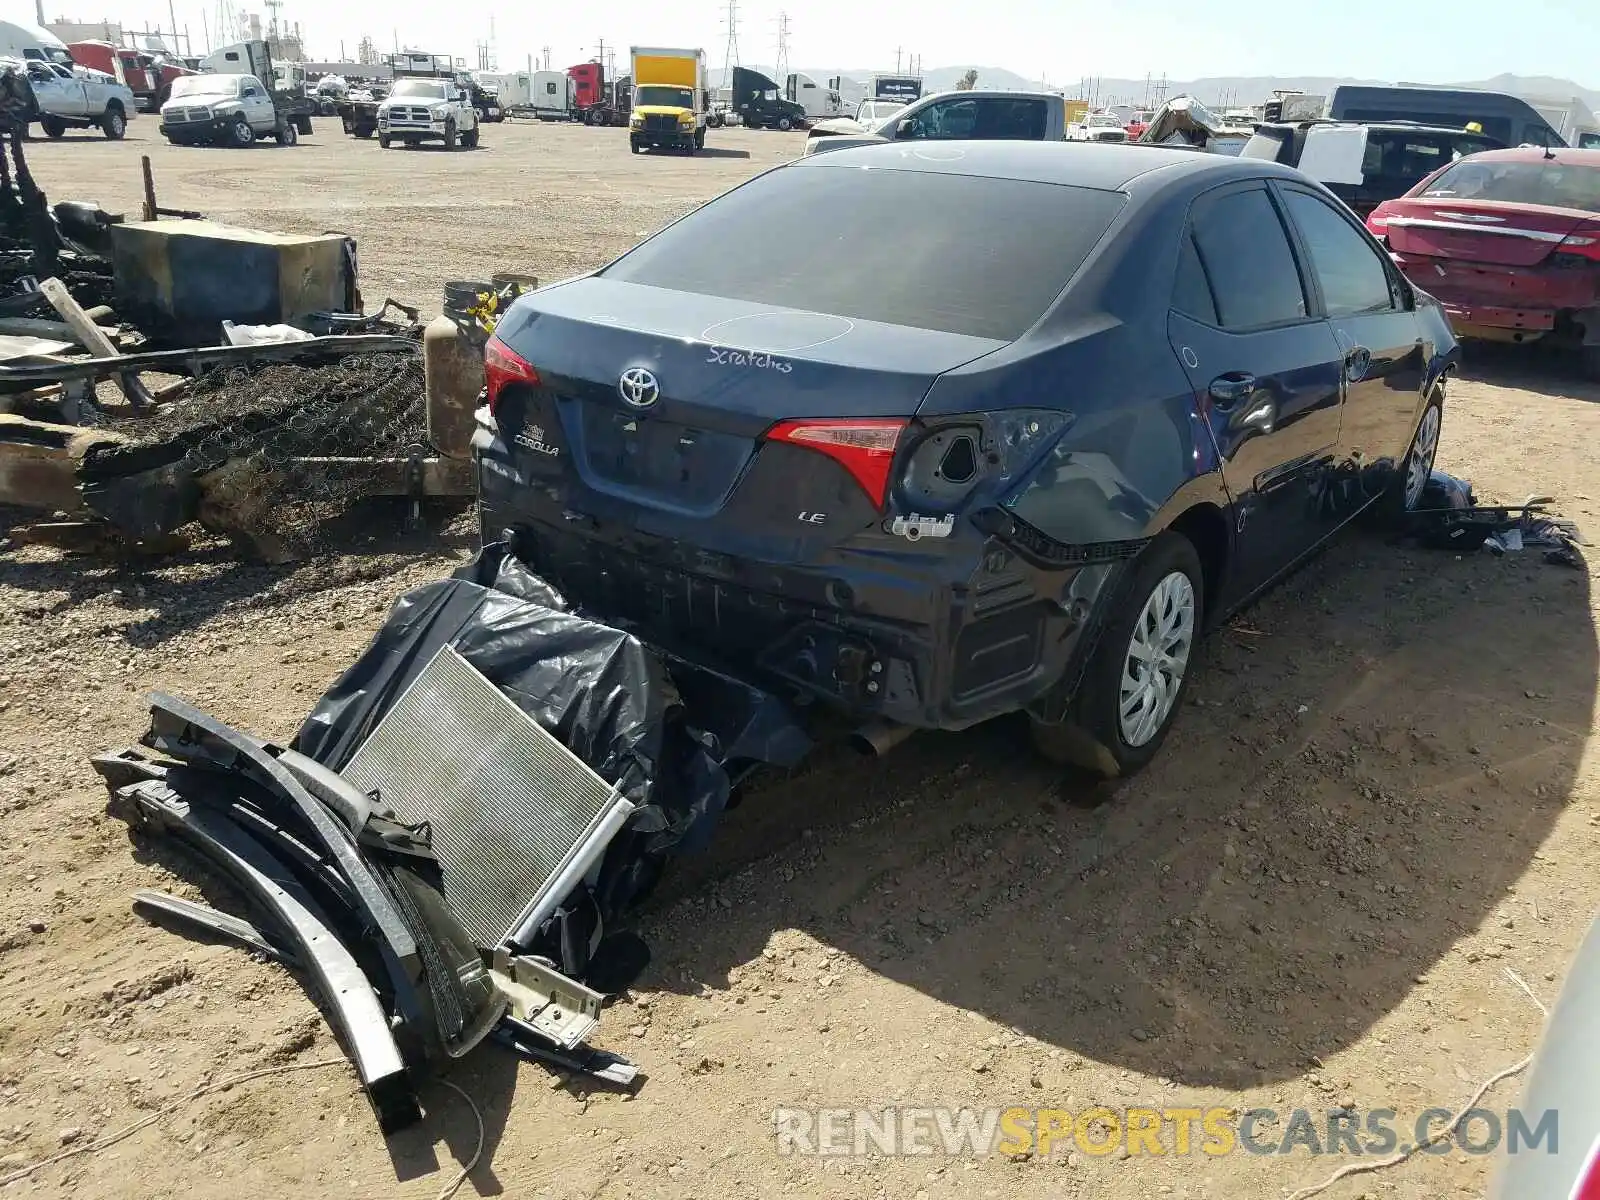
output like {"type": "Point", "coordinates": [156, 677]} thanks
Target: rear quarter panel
{"type": "Point", "coordinates": [1137, 453]}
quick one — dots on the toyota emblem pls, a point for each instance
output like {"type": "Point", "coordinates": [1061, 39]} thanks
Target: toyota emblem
{"type": "Point", "coordinates": [638, 388]}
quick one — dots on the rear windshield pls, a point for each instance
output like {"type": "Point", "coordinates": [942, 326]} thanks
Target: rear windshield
{"type": "Point", "coordinates": [1550, 183]}
{"type": "Point", "coordinates": [954, 253]}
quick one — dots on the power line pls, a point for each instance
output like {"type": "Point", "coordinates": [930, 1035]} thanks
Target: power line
{"type": "Point", "coordinates": [730, 55]}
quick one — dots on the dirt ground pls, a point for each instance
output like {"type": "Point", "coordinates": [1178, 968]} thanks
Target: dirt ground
{"type": "Point", "coordinates": [1383, 792]}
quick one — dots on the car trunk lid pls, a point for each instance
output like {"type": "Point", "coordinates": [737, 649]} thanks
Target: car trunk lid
{"type": "Point", "coordinates": [1482, 231]}
{"type": "Point", "coordinates": [668, 407]}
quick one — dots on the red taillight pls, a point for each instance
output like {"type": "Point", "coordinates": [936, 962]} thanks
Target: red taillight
{"type": "Point", "coordinates": [865, 447]}
{"type": "Point", "coordinates": [1584, 245]}
{"type": "Point", "coordinates": [503, 366]}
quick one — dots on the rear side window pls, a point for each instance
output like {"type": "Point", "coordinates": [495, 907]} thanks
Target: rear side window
{"type": "Point", "coordinates": [1352, 277]}
{"type": "Point", "coordinates": [955, 253]}
{"type": "Point", "coordinates": [1245, 253]}
{"type": "Point", "coordinates": [1191, 294]}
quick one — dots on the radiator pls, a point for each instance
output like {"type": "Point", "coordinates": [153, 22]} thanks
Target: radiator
{"type": "Point", "coordinates": [517, 818]}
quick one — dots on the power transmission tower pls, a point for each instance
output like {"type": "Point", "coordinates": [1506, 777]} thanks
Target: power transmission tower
{"type": "Point", "coordinates": [730, 55]}
{"type": "Point", "coordinates": [781, 67]}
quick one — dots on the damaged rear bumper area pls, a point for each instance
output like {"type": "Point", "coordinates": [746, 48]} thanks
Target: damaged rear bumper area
{"type": "Point", "coordinates": [446, 849]}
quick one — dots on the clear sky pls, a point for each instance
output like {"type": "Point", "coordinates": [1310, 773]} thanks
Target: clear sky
{"type": "Point", "coordinates": [1423, 40]}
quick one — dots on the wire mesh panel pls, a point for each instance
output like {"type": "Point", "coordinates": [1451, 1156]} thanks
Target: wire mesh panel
{"type": "Point", "coordinates": [249, 432]}
{"type": "Point", "coordinates": [508, 803]}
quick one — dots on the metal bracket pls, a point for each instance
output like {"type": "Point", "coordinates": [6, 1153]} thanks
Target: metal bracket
{"type": "Point", "coordinates": [561, 1009]}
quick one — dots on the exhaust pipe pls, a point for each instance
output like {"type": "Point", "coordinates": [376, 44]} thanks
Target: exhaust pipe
{"type": "Point", "coordinates": [877, 738]}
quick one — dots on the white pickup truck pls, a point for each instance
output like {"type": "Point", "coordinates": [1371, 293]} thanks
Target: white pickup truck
{"type": "Point", "coordinates": [224, 110]}
{"type": "Point", "coordinates": [78, 98]}
{"type": "Point", "coordinates": [423, 110]}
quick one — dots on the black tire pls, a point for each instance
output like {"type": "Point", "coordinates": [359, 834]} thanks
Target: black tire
{"type": "Point", "coordinates": [597, 116]}
{"type": "Point", "coordinates": [240, 134]}
{"type": "Point", "coordinates": [383, 141]}
{"type": "Point", "coordinates": [54, 127]}
{"type": "Point", "coordinates": [1391, 510]}
{"type": "Point", "coordinates": [451, 138]}
{"type": "Point", "coordinates": [288, 134]}
{"type": "Point", "coordinates": [1094, 735]}
{"type": "Point", "coordinates": [785, 124]}
{"type": "Point", "coordinates": [469, 139]}
{"type": "Point", "coordinates": [114, 123]}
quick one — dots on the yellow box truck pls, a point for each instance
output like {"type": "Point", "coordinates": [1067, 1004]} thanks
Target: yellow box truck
{"type": "Point", "coordinates": [670, 105]}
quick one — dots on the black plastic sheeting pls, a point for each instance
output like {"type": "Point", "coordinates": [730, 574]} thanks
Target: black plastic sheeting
{"type": "Point", "coordinates": [670, 732]}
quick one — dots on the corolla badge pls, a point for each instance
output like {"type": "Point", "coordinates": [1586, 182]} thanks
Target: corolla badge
{"type": "Point", "coordinates": [638, 388]}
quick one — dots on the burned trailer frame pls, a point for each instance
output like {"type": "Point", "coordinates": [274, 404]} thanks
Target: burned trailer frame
{"type": "Point", "coordinates": [101, 480]}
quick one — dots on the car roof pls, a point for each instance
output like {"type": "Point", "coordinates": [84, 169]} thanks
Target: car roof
{"type": "Point", "coordinates": [1560, 154]}
{"type": "Point", "coordinates": [1107, 166]}
{"type": "Point", "coordinates": [1384, 126]}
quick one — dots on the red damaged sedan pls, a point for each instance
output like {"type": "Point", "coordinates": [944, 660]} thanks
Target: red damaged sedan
{"type": "Point", "coordinates": [1509, 242]}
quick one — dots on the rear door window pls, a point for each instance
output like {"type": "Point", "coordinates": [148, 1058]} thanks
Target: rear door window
{"type": "Point", "coordinates": [1245, 252]}
{"type": "Point", "coordinates": [955, 253]}
{"type": "Point", "coordinates": [1351, 275]}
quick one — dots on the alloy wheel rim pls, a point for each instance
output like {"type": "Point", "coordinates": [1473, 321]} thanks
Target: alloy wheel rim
{"type": "Point", "coordinates": [1157, 659]}
{"type": "Point", "coordinates": [1420, 466]}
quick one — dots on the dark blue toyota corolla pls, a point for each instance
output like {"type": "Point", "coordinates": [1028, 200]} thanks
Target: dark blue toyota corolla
{"type": "Point", "coordinates": [936, 433]}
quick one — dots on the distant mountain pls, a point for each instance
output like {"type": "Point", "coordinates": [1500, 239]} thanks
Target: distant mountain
{"type": "Point", "coordinates": [1223, 90]}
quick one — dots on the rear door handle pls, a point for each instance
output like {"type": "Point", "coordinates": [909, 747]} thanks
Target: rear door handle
{"type": "Point", "coordinates": [1228, 390]}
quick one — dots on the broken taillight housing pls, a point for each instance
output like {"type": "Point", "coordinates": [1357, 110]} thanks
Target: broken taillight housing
{"type": "Point", "coordinates": [504, 367]}
{"type": "Point", "coordinates": [864, 447]}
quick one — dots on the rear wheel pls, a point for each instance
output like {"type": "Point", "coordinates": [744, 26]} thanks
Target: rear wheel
{"type": "Point", "coordinates": [1139, 672]}
{"type": "Point", "coordinates": [1406, 488]}
{"type": "Point", "coordinates": [114, 123]}
{"type": "Point", "coordinates": [287, 134]}
{"type": "Point", "coordinates": [54, 127]}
